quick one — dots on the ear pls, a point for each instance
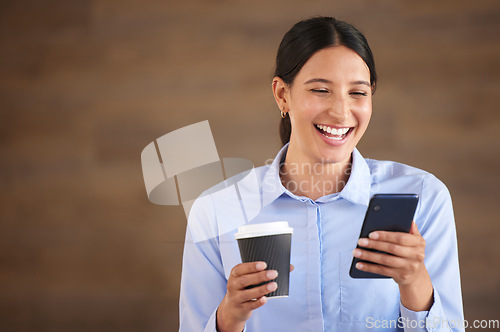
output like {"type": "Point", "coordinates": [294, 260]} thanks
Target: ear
{"type": "Point", "coordinates": [281, 93]}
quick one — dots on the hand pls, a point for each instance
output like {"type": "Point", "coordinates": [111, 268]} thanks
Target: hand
{"type": "Point", "coordinates": [406, 259]}
{"type": "Point", "coordinates": [239, 302]}
{"type": "Point", "coordinates": [405, 264]}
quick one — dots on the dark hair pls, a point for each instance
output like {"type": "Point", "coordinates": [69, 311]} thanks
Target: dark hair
{"type": "Point", "coordinates": [306, 38]}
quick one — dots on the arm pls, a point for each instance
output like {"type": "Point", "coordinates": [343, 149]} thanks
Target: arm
{"type": "Point", "coordinates": [430, 287]}
{"type": "Point", "coordinates": [208, 301]}
{"type": "Point", "coordinates": [441, 256]}
{"type": "Point", "coordinates": [203, 283]}
{"type": "Point", "coordinates": [405, 264]}
{"type": "Point", "coordinates": [239, 302]}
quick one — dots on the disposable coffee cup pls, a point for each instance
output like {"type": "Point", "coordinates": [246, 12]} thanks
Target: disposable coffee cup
{"type": "Point", "coordinates": [270, 243]}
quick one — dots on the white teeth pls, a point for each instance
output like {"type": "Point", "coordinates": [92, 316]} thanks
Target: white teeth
{"type": "Point", "coordinates": [333, 131]}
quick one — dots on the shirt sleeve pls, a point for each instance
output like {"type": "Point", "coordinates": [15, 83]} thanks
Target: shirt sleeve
{"type": "Point", "coordinates": [212, 323]}
{"type": "Point", "coordinates": [211, 326]}
{"type": "Point", "coordinates": [203, 283]}
{"type": "Point", "coordinates": [432, 320]}
{"type": "Point", "coordinates": [437, 225]}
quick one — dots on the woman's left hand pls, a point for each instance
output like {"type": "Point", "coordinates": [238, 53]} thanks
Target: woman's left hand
{"type": "Point", "coordinates": [406, 262]}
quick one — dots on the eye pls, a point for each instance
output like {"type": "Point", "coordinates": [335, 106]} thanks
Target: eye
{"type": "Point", "coordinates": [319, 90]}
{"type": "Point", "coordinates": [359, 93]}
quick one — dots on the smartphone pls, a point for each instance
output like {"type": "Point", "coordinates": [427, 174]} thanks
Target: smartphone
{"type": "Point", "coordinates": [386, 212]}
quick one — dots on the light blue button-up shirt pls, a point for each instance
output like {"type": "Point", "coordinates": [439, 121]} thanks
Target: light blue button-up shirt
{"type": "Point", "coordinates": [323, 297]}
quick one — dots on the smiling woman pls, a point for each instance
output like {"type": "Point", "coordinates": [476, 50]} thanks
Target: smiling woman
{"type": "Point", "coordinates": [319, 182]}
{"type": "Point", "coordinates": [305, 39]}
{"type": "Point", "coordinates": [329, 107]}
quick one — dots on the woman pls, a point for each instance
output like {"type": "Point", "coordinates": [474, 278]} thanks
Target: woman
{"type": "Point", "coordinates": [319, 182]}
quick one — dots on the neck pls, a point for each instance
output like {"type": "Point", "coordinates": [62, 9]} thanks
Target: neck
{"type": "Point", "coordinates": [314, 179]}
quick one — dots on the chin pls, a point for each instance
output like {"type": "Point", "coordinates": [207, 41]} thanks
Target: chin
{"type": "Point", "coordinates": [334, 156]}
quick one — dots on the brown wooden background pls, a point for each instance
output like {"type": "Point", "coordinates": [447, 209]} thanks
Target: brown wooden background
{"type": "Point", "coordinates": [85, 85]}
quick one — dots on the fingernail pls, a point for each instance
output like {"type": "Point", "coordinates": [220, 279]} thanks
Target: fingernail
{"type": "Point", "coordinates": [373, 235]}
{"type": "Point", "coordinates": [363, 242]}
{"type": "Point", "coordinates": [272, 286]}
{"type": "Point", "coordinates": [271, 274]}
{"type": "Point", "coordinates": [261, 265]}
{"type": "Point", "coordinates": [359, 266]}
{"type": "Point", "coordinates": [356, 252]}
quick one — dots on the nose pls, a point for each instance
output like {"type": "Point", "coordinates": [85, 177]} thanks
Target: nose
{"type": "Point", "coordinates": [339, 109]}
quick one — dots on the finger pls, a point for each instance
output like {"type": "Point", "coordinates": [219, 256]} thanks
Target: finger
{"type": "Point", "coordinates": [246, 268]}
{"type": "Point", "coordinates": [388, 247]}
{"type": "Point", "coordinates": [254, 304]}
{"type": "Point", "coordinates": [256, 292]}
{"type": "Point", "coordinates": [379, 258]}
{"type": "Point", "coordinates": [378, 269]}
{"type": "Point", "coordinates": [400, 238]}
{"type": "Point", "coordinates": [292, 267]}
{"type": "Point", "coordinates": [246, 280]}
{"type": "Point", "coordinates": [414, 228]}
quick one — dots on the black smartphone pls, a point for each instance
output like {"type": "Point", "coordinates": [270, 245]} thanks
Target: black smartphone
{"type": "Point", "coordinates": [386, 212]}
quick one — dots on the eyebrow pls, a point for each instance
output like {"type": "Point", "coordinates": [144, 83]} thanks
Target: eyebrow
{"type": "Point", "coordinates": [362, 82]}
{"type": "Point", "coordinates": [323, 80]}
{"type": "Point", "coordinates": [320, 80]}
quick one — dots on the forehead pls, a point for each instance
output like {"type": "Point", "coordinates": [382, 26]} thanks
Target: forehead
{"type": "Point", "coordinates": [335, 63]}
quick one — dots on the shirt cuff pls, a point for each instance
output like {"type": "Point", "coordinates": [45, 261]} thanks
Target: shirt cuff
{"type": "Point", "coordinates": [432, 320]}
{"type": "Point", "coordinates": [212, 323]}
{"type": "Point", "coordinates": [413, 321]}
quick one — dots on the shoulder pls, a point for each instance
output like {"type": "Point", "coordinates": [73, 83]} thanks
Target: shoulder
{"type": "Point", "coordinates": [434, 208]}
{"type": "Point", "coordinates": [249, 180]}
{"type": "Point", "coordinates": [382, 169]}
{"type": "Point", "coordinates": [402, 175]}
{"type": "Point", "coordinates": [224, 199]}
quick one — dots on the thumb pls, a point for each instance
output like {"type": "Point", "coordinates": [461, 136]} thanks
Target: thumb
{"type": "Point", "coordinates": [414, 228]}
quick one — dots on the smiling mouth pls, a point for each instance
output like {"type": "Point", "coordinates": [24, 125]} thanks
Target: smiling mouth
{"type": "Point", "coordinates": [335, 134]}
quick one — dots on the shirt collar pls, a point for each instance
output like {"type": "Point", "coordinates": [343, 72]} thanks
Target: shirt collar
{"type": "Point", "coordinates": [357, 189]}
{"type": "Point", "coordinates": [272, 188]}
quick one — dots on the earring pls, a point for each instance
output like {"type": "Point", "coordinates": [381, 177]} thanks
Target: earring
{"type": "Point", "coordinates": [283, 113]}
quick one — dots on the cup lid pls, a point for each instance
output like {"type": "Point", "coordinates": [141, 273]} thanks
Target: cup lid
{"type": "Point", "coordinates": [268, 228]}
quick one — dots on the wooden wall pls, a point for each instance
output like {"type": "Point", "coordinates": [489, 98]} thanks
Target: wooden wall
{"type": "Point", "coordinates": [85, 85]}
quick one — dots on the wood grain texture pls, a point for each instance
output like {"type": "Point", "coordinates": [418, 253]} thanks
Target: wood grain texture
{"type": "Point", "coordinates": [85, 85]}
